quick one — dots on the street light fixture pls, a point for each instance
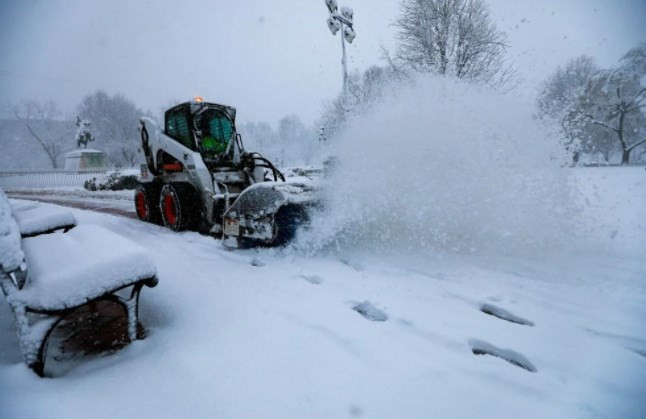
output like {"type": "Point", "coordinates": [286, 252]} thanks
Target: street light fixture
{"type": "Point", "coordinates": [341, 21]}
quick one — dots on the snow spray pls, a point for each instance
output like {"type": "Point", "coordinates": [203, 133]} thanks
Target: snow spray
{"type": "Point", "coordinates": [443, 165]}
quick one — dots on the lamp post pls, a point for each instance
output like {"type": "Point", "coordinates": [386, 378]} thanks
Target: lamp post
{"type": "Point", "coordinates": [342, 21]}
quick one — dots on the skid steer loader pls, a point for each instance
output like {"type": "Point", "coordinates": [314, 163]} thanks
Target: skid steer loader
{"type": "Point", "coordinates": [198, 176]}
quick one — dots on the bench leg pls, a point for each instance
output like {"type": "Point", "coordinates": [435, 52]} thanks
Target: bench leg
{"type": "Point", "coordinates": [38, 368]}
{"type": "Point", "coordinates": [132, 310]}
{"type": "Point", "coordinates": [34, 338]}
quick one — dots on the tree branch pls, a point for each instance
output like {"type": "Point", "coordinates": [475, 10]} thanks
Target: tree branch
{"type": "Point", "coordinates": [628, 110]}
{"type": "Point", "coordinates": [50, 148]}
{"type": "Point", "coordinates": [601, 123]}
{"type": "Point", "coordinates": [636, 102]}
{"type": "Point", "coordinates": [636, 144]}
{"type": "Point", "coordinates": [31, 131]}
{"type": "Point", "coordinates": [638, 94]}
{"type": "Point", "coordinates": [386, 55]}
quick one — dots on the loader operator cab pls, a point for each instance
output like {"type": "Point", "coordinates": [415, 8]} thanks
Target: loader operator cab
{"type": "Point", "coordinates": [215, 129]}
{"type": "Point", "coordinates": [207, 128]}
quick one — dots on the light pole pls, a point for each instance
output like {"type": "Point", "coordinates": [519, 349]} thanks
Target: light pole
{"type": "Point", "coordinates": [341, 21]}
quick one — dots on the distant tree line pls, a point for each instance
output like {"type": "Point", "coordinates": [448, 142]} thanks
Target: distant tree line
{"type": "Point", "coordinates": [114, 122]}
{"type": "Point", "coordinates": [292, 144]}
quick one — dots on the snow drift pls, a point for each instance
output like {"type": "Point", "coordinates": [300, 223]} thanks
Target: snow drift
{"type": "Point", "coordinates": [441, 164]}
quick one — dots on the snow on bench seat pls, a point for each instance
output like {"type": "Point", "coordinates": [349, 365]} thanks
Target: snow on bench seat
{"type": "Point", "coordinates": [34, 219]}
{"type": "Point", "coordinates": [23, 205]}
{"type": "Point", "coordinates": [11, 256]}
{"type": "Point", "coordinates": [66, 270]}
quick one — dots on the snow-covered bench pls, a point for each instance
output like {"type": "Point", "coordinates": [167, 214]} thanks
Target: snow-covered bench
{"type": "Point", "coordinates": [47, 277]}
{"type": "Point", "coordinates": [34, 218]}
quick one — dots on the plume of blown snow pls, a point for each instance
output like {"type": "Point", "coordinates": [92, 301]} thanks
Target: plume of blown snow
{"type": "Point", "coordinates": [443, 165]}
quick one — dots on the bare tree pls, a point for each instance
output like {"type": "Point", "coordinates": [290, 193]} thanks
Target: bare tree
{"type": "Point", "coordinates": [451, 37]}
{"type": "Point", "coordinates": [560, 90]}
{"type": "Point", "coordinates": [364, 90]}
{"type": "Point", "coordinates": [293, 137]}
{"type": "Point", "coordinates": [40, 118]}
{"type": "Point", "coordinates": [558, 102]}
{"type": "Point", "coordinates": [257, 136]}
{"type": "Point", "coordinates": [614, 100]}
{"type": "Point", "coordinates": [333, 116]}
{"type": "Point", "coordinates": [617, 119]}
{"type": "Point", "coordinates": [130, 156]}
{"type": "Point", "coordinates": [115, 120]}
{"type": "Point", "coordinates": [292, 144]}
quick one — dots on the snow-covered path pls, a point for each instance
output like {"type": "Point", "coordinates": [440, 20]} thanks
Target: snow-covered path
{"type": "Point", "coordinates": [117, 203]}
{"type": "Point", "coordinates": [273, 333]}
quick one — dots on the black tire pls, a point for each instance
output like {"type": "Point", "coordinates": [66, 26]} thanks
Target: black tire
{"type": "Point", "coordinates": [179, 206]}
{"type": "Point", "coordinates": [146, 198]}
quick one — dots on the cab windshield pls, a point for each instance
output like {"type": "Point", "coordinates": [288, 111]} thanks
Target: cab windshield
{"type": "Point", "coordinates": [216, 130]}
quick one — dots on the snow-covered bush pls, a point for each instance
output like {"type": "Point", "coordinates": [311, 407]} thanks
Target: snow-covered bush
{"type": "Point", "coordinates": [113, 181]}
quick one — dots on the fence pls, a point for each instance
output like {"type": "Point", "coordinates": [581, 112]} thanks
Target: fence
{"type": "Point", "coordinates": [52, 178]}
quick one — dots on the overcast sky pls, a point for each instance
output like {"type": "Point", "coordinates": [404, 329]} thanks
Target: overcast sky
{"type": "Point", "coordinates": [267, 58]}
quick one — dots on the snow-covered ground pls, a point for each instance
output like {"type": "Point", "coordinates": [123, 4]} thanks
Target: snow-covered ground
{"type": "Point", "coordinates": [284, 333]}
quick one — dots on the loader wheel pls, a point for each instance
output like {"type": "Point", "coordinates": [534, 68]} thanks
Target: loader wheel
{"type": "Point", "coordinates": [145, 197]}
{"type": "Point", "coordinates": [286, 222]}
{"type": "Point", "coordinates": [179, 207]}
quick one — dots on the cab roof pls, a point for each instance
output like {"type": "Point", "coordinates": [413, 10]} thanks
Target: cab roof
{"type": "Point", "coordinates": [196, 106]}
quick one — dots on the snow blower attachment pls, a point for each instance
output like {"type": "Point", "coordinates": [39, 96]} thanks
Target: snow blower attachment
{"type": "Point", "coordinates": [198, 176]}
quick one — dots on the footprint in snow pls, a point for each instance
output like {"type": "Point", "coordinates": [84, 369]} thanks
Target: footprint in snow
{"type": "Point", "coordinates": [640, 352]}
{"type": "Point", "coordinates": [631, 343]}
{"type": "Point", "coordinates": [355, 411]}
{"type": "Point", "coordinates": [503, 314]}
{"type": "Point", "coordinates": [479, 347]}
{"type": "Point", "coordinates": [370, 312]}
{"type": "Point", "coordinates": [354, 265]}
{"type": "Point", "coordinates": [257, 262]}
{"type": "Point", "coordinates": [312, 279]}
